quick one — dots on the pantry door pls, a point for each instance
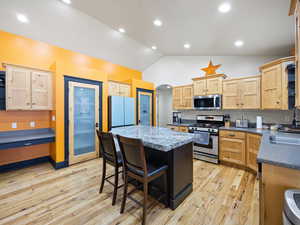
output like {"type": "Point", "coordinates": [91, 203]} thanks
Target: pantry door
{"type": "Point", "coordinates": [145, 108]}
{"type": "Point", "coordinates": [83, 121]}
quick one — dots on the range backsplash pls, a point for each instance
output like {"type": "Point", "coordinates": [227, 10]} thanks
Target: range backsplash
{"type": "Point", "coordinates": [269, 116]}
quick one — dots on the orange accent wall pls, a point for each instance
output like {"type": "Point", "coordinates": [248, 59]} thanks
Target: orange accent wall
{"type": "Point", "coordinates": [19, 50]}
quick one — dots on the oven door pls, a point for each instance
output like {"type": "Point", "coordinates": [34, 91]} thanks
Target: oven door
{"type": "Point", "coordinates": [208, 102]}
{"type": "Point", "coordinates": [209, 146]}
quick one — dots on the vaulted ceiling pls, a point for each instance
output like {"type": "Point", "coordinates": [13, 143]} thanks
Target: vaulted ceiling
{"type": "Point", "coordinates": [263, 25]}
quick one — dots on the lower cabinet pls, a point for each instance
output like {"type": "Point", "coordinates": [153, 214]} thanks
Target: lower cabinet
{"type": "Point", "coordinates": [233, 148]}
{"type": "Point", "coordinates": [179, 128]}
{"type": "Point", "coordinates": [239, 148]}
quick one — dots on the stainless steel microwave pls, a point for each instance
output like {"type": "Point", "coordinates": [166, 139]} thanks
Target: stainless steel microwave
{"type": "Point", "coordinates": [208, 102]}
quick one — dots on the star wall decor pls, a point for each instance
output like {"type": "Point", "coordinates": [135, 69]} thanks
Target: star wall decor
{"type": "Point", "coordinates": [211, 69]}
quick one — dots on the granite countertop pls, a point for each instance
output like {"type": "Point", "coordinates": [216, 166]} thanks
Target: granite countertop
{"type": "Point", "coordinates": [275, 154]}
{"type": "Point", "coordinates": [25, 135]}
{"type": "Point", "coordinates": [158, 138]}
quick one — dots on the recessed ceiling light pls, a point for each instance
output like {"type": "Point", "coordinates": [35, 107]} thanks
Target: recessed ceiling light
{"type": "Point", "coordinates": [22, 18]}
{"type": "Point", "coordinates": [157, 23]}
{"type": "Point", "coordinates": [67, 1]}
{"type": "Point", "coordinates": [154, 47]}
{"type": "Point", "coordinates": [122, 30]}
{"type": "Point", "coordinates": [187, 45]}
{"type": "Point", "coordinates": [225, 7]}
{"type": "Point", "coordinates": [239, 43]}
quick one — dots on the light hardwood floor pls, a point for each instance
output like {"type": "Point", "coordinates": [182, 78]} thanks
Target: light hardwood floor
{"type": "Point", "coordinates": [41, 195]}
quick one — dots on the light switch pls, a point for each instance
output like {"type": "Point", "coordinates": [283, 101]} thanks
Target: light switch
{"type": "Point", "coordinates": [53, 118]}
{"type": "Point", "coordinates": [32, 124]}
{"type": "Point", "coordinates": [14, 125]}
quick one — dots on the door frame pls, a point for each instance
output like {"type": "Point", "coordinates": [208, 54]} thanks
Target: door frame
{"type": "Point", "coordinates": [138, 90]}
{"type": "Point", "coordinates": [68, 79]}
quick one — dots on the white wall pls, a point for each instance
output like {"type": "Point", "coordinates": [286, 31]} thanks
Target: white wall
{"type": "Point", "coordinates": [59, 24]}
{"type": "Point", "coordinates": [179, 70]}
{"type": "Point", "coordinates": [164, 106]}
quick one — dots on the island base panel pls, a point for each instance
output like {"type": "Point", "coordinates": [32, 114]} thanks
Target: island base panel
{"type": "Point", "coordinates": [180, 172]}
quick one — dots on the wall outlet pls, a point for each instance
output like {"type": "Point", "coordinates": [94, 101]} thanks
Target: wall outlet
{"type": "Point", "coordinates": [53, 118]}
{"type": "Point", "coordinates": [14, 125]}
{"type": "Point", "coordinates": [32, 124]}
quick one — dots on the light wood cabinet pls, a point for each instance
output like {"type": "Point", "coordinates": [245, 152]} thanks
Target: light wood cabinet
{"type": "Point", "coordinates": [41, 90]}
{"type": "Point", "coordinates": [28, 89]}
{"type": "Point", "coordinates": [274, 181]}
{"type": "Point", "coordinates": [119, 89]}
{"type": "Point", "coordinates": [179, 128]}
{"type": "Point", "coordinates": [207, 86]}
{"type": "Point", "coordinates": [274, 84]}
{"type": "Point", "coordinates": [242, 93]}
{"type": "Point", "coordinates": [253, 143]}
{"type": "Point", "coordinates": [183, 97]}
{"type": "Point", "coordinates": [239, 148]}
{"type": "Point", "coordinates": [296, 14]}
{"type": "Point", "coordinates": [233, 150]}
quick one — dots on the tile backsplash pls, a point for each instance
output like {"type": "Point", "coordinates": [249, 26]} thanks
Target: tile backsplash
{"type": "Point", "coordinates": [269, 116]}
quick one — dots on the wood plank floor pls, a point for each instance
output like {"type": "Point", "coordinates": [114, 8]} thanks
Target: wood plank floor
{"type": "Point", "coordinates": [41, 195]}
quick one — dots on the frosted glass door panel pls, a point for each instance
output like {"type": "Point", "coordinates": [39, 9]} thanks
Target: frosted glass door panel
{"type": "Point", "coordinates": [145, 109]}
{"type": "Point", "coordinates": [84, 120]}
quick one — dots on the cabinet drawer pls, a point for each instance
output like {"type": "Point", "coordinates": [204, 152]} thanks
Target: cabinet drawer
{"type": "Point", "coordinates": [232, 134]}
{"type": "Point", "coordinates": [184, 129]}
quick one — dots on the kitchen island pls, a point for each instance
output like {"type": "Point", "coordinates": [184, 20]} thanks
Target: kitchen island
{"type": "Point", "coordinates": [171, 148]}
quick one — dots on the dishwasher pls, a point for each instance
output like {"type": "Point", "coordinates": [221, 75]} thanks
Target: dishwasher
{"type": "Point", "coordinates": [291, 209]}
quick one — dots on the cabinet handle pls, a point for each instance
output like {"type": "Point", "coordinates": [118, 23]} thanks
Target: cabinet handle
{"type": "Point", "coordinates": [27, 103]}
{"type": "Point", "coordinates": [231, 135]}
{"type": "Point", "coordinates": [28, 144]}
{"type": "Point", "coordinates": [277, 102]}
{"type": "Point", "coordinates": [33, 103]}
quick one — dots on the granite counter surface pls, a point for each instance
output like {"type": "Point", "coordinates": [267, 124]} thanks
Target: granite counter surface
{"type": "Point", "coordinates": [163, 139]}
{"type": "Point", "coordinates": [275, 154]}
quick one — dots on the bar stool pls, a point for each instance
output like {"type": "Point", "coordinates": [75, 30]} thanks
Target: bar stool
{"type": "Point", "coordinates": [111, 156]}
{"type": "Point", "coordinates": [135, 166]}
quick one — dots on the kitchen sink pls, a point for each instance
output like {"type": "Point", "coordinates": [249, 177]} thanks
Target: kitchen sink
{"type": "Point", "coordinates": [276, 139]}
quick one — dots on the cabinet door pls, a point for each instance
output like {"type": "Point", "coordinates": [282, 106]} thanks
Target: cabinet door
{"type": "Point", "coordinates": [177, 97]}
{"type": "Point", "coordinates": [113, 89]}
{"type": "Point", "coordinates": [233, 150]}
{"type": "Point", "coordinates": [231, 97]}
{"type": "Point", "coordinates": [297, 51]}
{"type": "Point", "coordinates": [187, 97]}
{"type": "Point", "coordinates": [18, 88]}
{"type": "Point", "coordinates": [214, 86]}
{"type": "Point", "coordinates": [250, 93]}
{"type": "Point", "coordinates": [41, 93]}
{"type": "Point", "coordinates": [124, 90]}
{"type": "Point", "coordinates": [253, 143]}
{"type": "Point", "coordinates": [200, 87]}
{"type": "Point", "coordinates": [271, 87]}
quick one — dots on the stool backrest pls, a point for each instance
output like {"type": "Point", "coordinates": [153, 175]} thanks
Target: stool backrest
{"type": "Point", "coordinates": [133, 154]}
{"type": "Point", "coordinates": [107, 146]}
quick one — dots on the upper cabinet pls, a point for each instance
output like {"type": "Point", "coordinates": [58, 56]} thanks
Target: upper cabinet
{"type": "Point", "coordinates": [183, 97]}
{"type": "Point", "coordinates": [208, 85]}
{"type": "Point", "coordinates": [28, 89]}
{"type": "Point", "coordinates": [274, 84]}
{"type": "Point", "coordinates": [295, 10]}
{"type": "Point", "coordinates": [242, 93]}
{"type": "Point", "coordinates": [119, 89]}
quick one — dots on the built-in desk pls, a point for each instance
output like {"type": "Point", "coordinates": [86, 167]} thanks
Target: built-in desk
{"type": "Point", "coordinates": [24, 147]}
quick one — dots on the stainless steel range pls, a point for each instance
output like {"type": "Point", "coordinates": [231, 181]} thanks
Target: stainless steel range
{"type": "Point", "coordinates": [206, 140]}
